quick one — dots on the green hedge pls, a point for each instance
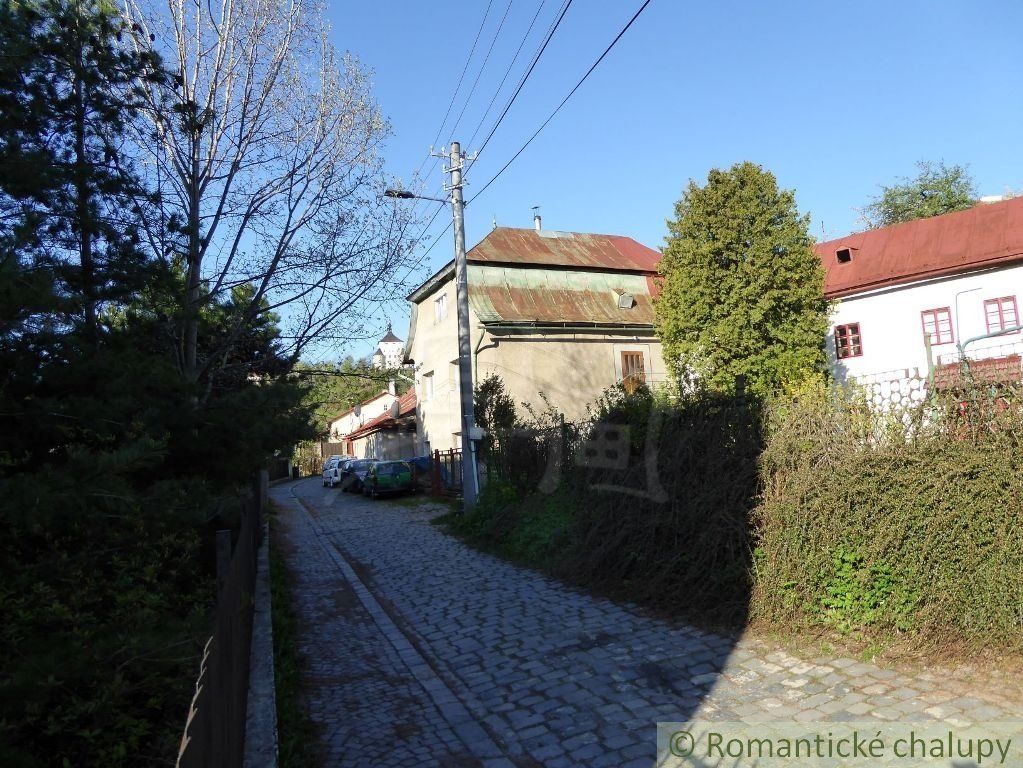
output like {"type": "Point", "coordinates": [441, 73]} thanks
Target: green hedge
{"type": "Point", "coordinates": [816, 512]}
{"type": "Point", "coordinates": [907, 523]}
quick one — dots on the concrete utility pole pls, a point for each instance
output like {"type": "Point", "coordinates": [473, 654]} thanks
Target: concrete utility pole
{"type": "Point", "coordinates": [469, 479]}
{"type": "Point", "coordinates": [470, 488]}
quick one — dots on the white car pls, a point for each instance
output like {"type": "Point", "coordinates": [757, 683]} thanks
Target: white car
{"type": "Point", "coordinates": [332, 471]}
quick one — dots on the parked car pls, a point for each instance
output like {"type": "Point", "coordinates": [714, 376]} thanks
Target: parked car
{"type": "Point", "coordinates": [353, 474]}
{"type": "Point", "coordinates": [332, 471]}
{"type": "Point", "coordinates": [388, 477]}
{"type": "Point", "coordinates": [422, 472]}
{"type": "Point", "coordinates": [337, 457]}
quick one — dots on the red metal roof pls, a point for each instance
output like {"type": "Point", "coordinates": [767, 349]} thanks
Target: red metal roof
{"type": "Point", "coordinates": [509, 245]}
{"type": "Point", "coordinates": [989, 234]}
{"type": "Point", "coordinates": [406, 407]}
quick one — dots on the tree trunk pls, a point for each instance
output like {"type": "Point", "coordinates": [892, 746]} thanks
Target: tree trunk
{"type": "Point", "coordinates": [194, 277]}
{"type": "Point", "coordinates": [82, 200]}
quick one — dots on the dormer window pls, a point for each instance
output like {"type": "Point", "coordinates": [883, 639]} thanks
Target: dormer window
{"type": "Point", "coordinates": [844, 255]}
{"type": "Point", "coordinates": [626, 301]}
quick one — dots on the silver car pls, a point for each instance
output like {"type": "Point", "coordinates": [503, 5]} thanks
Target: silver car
{"type": "Point", "coordinates": [332, 471]}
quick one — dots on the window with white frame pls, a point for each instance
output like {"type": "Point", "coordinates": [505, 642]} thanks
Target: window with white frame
{"type": "Point", "coordinates": [427, 384]}
{"type": "Point", "coordinates": [937, 325]}
{"type": "Point", "coordinates": [440, 308]}
{"type": "Point", "coordinates": [1001, 314]}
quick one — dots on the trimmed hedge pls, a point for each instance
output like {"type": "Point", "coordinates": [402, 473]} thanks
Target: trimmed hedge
{"type": "Point", "coordinates": [816, 512]}
{"type": "Point", "coordinates": [884, 524]}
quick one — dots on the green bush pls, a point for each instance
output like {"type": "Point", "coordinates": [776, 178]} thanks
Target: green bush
{"type": "Point", "coordinates": [669, 528]}
{"type": "Point", "coordinates": [531, 529]}
{"type": "Point", "coordinates": [882, 524]}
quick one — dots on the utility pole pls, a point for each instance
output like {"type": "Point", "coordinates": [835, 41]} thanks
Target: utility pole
{"type": "Point", "coordinates": [469, 478]}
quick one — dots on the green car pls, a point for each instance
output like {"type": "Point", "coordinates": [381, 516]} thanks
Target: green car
{"type": "Point", "coordinates": [388, 477]}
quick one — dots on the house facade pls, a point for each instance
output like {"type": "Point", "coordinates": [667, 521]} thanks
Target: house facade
{"type": "Point", "coordinates": [950, 280]}
{"type": "Point", "coordinates": [390, 435]}
{"type": "Point", "coordinates": [559, 313]}
{"type": "Point", "coordinates": [352, 419]}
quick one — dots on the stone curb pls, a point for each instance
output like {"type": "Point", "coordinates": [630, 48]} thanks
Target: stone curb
{"type": "Point", "coordinates": [261, 713]}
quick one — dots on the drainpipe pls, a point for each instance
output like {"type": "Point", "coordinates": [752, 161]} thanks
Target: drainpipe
{"type": "Point", "coordinates": [476, 353]}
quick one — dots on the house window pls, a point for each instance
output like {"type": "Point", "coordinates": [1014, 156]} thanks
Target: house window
{"type": "Point", "coordinates": [1001, 314]}
{"type": "Point", "coordinates": [848, 342]}
{"type": "Point", "coordinates": [440, 308]}
{"type": "Point", "coordinates": [633, 369]}
{"type": "Point", "coordinates": [427, 386]}
{"type": "Point", "coordinates": [937, 325]}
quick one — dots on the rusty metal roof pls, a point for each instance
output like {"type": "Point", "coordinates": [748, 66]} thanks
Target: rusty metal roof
{"type": "Point", "coordinates": [509, 245]}
{"type": "Point", "coordinates": [989, 234]}
{"type": "Point", "coordinates": [510, 294]}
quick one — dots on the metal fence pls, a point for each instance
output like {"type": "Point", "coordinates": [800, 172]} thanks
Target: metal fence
{"type": "Point", "coordinates": [530, 458]}
{"type": "Point", "coordinates": [446, 473]}
{"type": "Point", "coordinates": [214, 734]}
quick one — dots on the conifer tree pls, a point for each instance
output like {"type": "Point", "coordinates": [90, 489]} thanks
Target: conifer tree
{"type": "Point", "coordinates": [742, 292]}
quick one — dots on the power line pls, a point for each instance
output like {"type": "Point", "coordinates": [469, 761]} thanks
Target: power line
{"type": "Point", "coordinates": [461, 77]}
{"type": "Point", "coordinates": [563, 101]}
{"type": "Point", "coordinates": [436, 240]}
{"type": "Point", "coordinates": [507, 72]}
{"type": "Point", "coordinates": [483, 66]}
{"type": "Point", "coordinates": [525, 77]}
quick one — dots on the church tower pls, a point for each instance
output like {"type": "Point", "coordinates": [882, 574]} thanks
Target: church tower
{"type": "Point", "coordinates": [390, 351]}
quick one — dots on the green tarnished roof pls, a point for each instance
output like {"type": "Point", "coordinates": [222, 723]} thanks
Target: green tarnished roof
{"type": "Point", "coordinates": [512, 294]}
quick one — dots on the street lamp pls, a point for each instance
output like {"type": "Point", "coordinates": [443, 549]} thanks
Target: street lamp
{"type": "Point", "coordinates": [402, 194]}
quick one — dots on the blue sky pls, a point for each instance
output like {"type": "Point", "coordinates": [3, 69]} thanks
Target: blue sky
{"type": "Point", "coordinates": [834, 97]}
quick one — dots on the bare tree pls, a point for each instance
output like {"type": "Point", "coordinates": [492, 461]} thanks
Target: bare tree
{"type": "Point", "coordinates": [267, 155]}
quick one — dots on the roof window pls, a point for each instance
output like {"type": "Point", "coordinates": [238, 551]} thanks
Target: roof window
{"type": "Point", "coordinates": [626, 301]}
{"type": "Point", "coordinates": [844, 255]}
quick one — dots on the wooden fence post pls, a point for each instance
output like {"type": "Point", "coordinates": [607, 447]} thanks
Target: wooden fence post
{"type": "Point", "coordinates": [223, 557]}
{"type": "Point", "coordinates": [435, 485]}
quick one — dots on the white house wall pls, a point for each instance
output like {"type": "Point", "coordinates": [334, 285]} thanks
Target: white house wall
{"type": "Point", "coordinates": [350, 422]}
{"type": "Point", "coordinates": [891, 328]}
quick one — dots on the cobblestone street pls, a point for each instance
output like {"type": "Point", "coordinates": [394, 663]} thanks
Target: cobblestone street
{"type": "Point", "coordinates": [425, 652]}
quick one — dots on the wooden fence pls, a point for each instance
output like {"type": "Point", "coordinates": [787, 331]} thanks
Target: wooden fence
{"type": "Point", "coordinates": [215, 729]}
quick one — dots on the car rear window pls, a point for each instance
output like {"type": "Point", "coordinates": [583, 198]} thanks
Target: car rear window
{"type": "Point", "coordinates": [362, 464]}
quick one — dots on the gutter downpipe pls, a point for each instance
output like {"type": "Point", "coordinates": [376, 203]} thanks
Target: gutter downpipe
{"type": "Point", "coordinates": [476, 354]}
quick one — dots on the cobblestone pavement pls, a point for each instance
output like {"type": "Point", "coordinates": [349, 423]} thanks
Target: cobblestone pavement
{"type": "Point", "coordinates": [426, 652]}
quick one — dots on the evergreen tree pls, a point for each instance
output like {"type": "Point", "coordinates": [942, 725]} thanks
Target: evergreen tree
{"type": "Point", "coordinates": [742, 292]}
{"type": "Point", "coordinates": [494, 409]}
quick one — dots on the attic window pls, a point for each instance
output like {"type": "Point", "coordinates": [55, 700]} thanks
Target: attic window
{"type": "Point", "coordinates": [626, 301]}
{"type": "Point", "coordinates": [844, 255]}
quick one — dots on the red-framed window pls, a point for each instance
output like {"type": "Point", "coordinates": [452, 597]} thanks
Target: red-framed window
{"type": "Point", "coordinates": [937, 324]}
{"type": "Point", "coordinates": [848, 341]}
{"type": "Point", "coordinates": [1001, 313]}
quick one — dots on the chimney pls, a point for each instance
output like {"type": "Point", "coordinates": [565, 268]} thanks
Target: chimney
{"type": "Point", "coordinates": [536, 217]}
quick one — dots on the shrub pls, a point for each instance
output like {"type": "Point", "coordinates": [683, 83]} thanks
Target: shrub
{"type": "Point", "coordinates": [893, 522]}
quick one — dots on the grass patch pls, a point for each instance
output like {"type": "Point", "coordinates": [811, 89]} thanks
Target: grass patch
{"type": "Point", "coordinates": [415, 500]}
{"type": "Point", "coordinates": [530, 530]}
{"type": "Point", "coordinates": [297, 734]}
